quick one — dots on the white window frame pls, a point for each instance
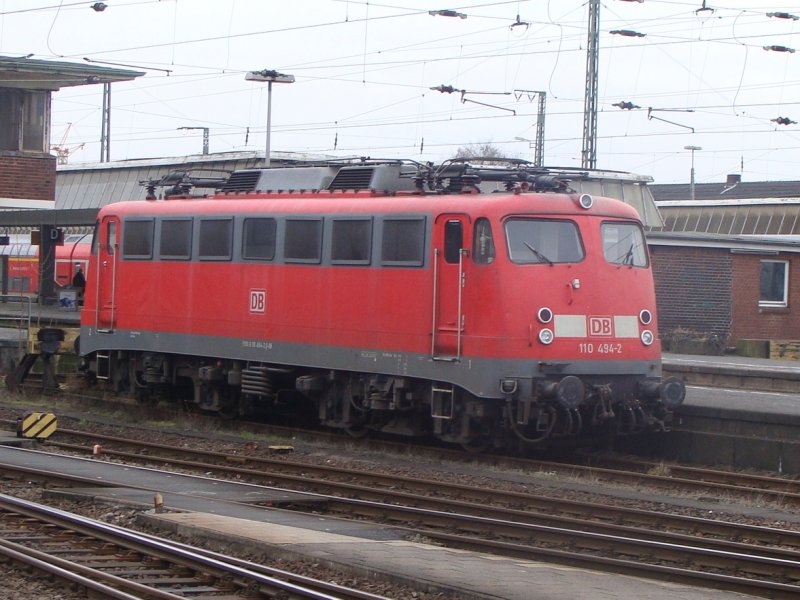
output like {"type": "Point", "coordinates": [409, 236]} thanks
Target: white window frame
{"type": "Point", "coordinates": [775, 303]}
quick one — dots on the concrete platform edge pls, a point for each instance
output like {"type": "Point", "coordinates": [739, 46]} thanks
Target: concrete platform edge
{"type": "Point", "coordinates": [225, 540]}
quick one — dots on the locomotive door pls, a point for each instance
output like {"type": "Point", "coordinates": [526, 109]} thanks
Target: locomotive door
{"type": "Point", "coordinates": [107, 254]}
{"type": "Point", "coordinates": [449, 272]}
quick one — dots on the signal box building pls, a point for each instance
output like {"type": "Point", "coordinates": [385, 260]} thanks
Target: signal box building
{"type": "Point", "coordinates": [27, 167]}
{"type": "Point", "coordinates": [727, 267]}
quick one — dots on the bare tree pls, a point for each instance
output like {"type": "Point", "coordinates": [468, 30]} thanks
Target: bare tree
{"type": "Point", "coordinates": [483, 150]}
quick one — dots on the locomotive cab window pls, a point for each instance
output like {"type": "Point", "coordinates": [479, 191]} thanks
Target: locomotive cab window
{"type": "Point", "coordinates": [403, 242]}
{"type": "Point", "coordinates": [137, 239]}
{"type": "Point", "coordinates": [303, 241]}
{"type": "Point", "coordinates": [176, 239]}
{"type": "Point", "coordinates": [483, 243]}
{"type": "Point", "coordinates": [547, 241]}
{"type": "Point", "coordinates": [623, 244]}
{"type": "Point", "coordinates": [351, 241]}
{"type": "Point", "coordinates": [258, 240]}
{"type": "Point", "coordinates": [215, 239]}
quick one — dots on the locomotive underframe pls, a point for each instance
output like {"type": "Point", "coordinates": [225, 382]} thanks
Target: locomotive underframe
{"type": "Point", "coordinates": [533, 410]}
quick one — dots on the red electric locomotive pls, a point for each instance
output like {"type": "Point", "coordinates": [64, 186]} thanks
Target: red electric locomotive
{"type": "Point", "coordinates": [388, 296]}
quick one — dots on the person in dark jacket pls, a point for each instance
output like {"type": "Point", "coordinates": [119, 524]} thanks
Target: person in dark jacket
{"type": "Point", "coordinates": [79, 283]}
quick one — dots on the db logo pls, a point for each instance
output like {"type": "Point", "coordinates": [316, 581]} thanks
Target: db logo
{"type": "Point", "coordinates": [258, 301]}
{"type": "Point", "coordinates": [600, 326]}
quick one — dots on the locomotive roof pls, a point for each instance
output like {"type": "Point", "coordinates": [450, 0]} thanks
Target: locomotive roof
{"type": "Point", "coordinates": [388, 177]}
{"type": "Point", "coordinates": [365, 202]}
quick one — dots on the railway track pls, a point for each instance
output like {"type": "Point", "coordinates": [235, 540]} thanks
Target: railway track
{"type": "Point", "coordinates": [113, 562]}
{"type": "Point", "coordinates": [675, 478]}
{"type": "Point", "coordinates": [746, 558]}
{"type": "Point", "coordinates": [597, 467]}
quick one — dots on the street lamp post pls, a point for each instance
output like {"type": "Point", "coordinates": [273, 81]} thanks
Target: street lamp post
{"type": "Point", "coordinates": [691, 173]}
{"type": "Point", "coordinates": [270, 76]}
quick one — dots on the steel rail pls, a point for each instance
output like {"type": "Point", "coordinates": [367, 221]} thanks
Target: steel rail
{"type": "Point", "coordinates": [183, 555]}
{"type": "Point", "coordinates": [772, 485]}
{"type": "Point", "coordinates": [524, 507]}
{"type": "Point", "coordinates": [743, 559]}
{"type": "Point", "coordinates": [87, 578]}
{"type": "Point", "coordinates": [765, 565]}
{"type": "Point", "coordinates": [776, 489]}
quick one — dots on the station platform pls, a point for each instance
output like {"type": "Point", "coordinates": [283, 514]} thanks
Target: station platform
{"type": "Point", "coordinates": [736, 372]}
{"type": "Point", "coordinates": [40, 314]}
{"type": "Point", "coordinates": [226, 513]}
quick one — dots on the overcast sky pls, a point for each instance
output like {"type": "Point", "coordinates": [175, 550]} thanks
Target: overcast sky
{"type": "Point", "coordinates": [364, 73]}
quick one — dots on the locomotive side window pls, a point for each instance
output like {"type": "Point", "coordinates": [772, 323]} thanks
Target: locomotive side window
{"type": "Point", "coordinates": [351, 241]}
{"type": "Point", "coordinates": [176, 239]}
{"type": "Point", "coordinates": [303, 241]}
{"type": "Point", "coordinates": [453, 241]}
{"type": "Point", "coordinates": [137, 239]}
{"type": "Point", "coordinates": [623, 244]}
{"type": "Point", "coordinates": [483, 243]}
{"type": "Point", "coordinates": [547, 241]}
{"type": "Point", "coordinates": [216, 239]}
{"type": "Point", "coordinates": [403, 242]}
{"type": "Point", "coordinates": [258, 241]}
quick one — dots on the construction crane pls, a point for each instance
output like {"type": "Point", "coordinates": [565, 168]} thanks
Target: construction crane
{"type": "Point", "coordinates": [62, 150]}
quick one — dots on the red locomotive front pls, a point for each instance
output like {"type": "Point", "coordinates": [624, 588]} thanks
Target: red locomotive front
{"type": "Point", "coordinates": [504, 318]}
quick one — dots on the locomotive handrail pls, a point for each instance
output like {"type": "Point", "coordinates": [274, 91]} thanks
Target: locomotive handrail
{"type": "Point", "coordinates": [435, 296]}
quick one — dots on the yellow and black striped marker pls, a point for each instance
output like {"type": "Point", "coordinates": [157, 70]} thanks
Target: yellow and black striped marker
{"type": "Point", "coordinates": [37, 425]}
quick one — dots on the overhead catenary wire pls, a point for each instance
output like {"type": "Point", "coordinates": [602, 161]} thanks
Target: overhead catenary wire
{"type": "Point", "coordinates": [379, 65]}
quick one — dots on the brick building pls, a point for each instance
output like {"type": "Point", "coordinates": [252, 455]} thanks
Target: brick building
{"type": "Point", "coordinates": [27, 168]}
{"type": "Point", "coordinates": [727, 266]}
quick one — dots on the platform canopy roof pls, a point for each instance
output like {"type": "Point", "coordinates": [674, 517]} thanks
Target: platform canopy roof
{"type": "Point", "coordinates": [31, 74]}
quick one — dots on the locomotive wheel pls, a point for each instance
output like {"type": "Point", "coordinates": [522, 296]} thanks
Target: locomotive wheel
{"type": "Point", "coordinates": [358, 431]}
{"type": "Point", "coordinates": [476, 445]}
{"type": "Point", "coordinates": [147, 396]}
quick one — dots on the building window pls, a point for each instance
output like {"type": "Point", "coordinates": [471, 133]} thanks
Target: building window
{"type": "Point", "coordinates": [24, 123]}
{"type": "Point", "coordinates": [774, 290]}
{"type": "Point", "coordinates": [34, 122]}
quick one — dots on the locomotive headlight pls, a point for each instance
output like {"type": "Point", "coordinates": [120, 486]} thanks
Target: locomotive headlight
{"type": "Point", "coordinates": [545, 315]}
{"type": "Point", "coordinates": [546, 336]}
{"type": "Point", "coordinates": [647, 337]}
{"type": "Point", "coordinates": [645, 317]}
{"type": "Point", "coordinates": [586, 201]}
